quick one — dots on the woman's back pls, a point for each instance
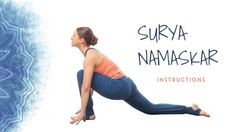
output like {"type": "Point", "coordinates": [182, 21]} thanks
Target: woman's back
{"type": "Point", "coordinates": [104, 65]}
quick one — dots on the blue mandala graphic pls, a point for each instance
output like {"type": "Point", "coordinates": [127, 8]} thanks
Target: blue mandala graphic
{"type": "Point", "coordinates": [15, 73]}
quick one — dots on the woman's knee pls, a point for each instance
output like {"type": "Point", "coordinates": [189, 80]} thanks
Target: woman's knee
{"type": "Point", "coordinates": [80, 75]}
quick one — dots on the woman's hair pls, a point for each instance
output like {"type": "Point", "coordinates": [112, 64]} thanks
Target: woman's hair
{"type": "Point", "coordinates": [87, 34]}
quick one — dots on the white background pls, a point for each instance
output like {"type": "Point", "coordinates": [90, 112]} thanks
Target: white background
{"type": "Point", "coordinates": [209, 25]}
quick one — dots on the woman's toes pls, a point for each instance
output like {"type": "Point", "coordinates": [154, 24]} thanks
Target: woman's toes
{"type": "Point", "coordinates": [203, 113]}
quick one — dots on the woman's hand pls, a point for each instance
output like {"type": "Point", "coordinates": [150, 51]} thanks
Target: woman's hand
{"type": "Point", "coordinates": [78, 117]}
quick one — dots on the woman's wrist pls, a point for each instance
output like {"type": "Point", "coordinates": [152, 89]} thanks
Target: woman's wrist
{"type": "Point", "coordinates": [83, 111]}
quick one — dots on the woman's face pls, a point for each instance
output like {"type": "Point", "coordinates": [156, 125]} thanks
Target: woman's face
{"type": "Point", "coordinates": [76, 40]}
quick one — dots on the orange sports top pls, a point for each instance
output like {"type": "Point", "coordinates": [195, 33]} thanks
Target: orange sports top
{"type": "Point", "coordinates": [109, 69]}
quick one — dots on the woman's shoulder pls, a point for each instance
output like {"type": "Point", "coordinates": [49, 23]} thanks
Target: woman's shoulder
{"type": "Point", "coordinates": [94, 55]}
{"type": "Point", "coordinates": [93, 52]}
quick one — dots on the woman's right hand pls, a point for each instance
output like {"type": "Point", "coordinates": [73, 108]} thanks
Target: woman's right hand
{"type": "Point", "coordinates": [78, 117]}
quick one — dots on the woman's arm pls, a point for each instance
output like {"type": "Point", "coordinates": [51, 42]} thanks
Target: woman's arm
{"type": "Point", "coordinates": [89, 64]}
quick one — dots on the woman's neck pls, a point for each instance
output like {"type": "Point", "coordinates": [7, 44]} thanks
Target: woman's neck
{"type": "Point", "coordinates": [83, 48]}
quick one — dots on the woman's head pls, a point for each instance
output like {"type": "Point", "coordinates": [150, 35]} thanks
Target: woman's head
{"type": "Point", "coordinates": [85, 34]}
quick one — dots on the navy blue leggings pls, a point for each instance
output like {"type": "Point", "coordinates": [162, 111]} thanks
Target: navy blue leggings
{"type": "Point", "coordinates": [125, 89]}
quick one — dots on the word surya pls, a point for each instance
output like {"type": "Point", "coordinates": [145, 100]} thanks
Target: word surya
{"type": "Point", "coordinates": [162, 31]}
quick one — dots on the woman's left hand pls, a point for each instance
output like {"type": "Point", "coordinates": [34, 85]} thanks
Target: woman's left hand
{"type": "Point", "coordinates": [77, 118]}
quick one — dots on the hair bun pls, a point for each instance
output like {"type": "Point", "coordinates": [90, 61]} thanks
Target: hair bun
{"type": "Point", "coordinates": [94, 40]}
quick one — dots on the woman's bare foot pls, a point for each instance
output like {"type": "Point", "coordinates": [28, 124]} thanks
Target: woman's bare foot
{"type": "Point", "coordinates": [92, 117]}
{"type": "Point", "coordinates": [202, 113]}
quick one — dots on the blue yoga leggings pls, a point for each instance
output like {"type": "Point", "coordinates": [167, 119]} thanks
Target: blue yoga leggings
{"type": "Point", "coordinates": [125, 89]}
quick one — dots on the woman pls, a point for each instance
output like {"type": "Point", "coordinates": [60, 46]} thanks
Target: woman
{"type": "Point", "coordinates": [103, 76]}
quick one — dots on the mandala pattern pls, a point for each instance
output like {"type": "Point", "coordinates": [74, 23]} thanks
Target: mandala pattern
{"type": "Point", "coordinates": [15, 68]}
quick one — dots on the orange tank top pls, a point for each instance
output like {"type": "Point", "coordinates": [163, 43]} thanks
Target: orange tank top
{"type": "Point", "coordinates": [109, 69]}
